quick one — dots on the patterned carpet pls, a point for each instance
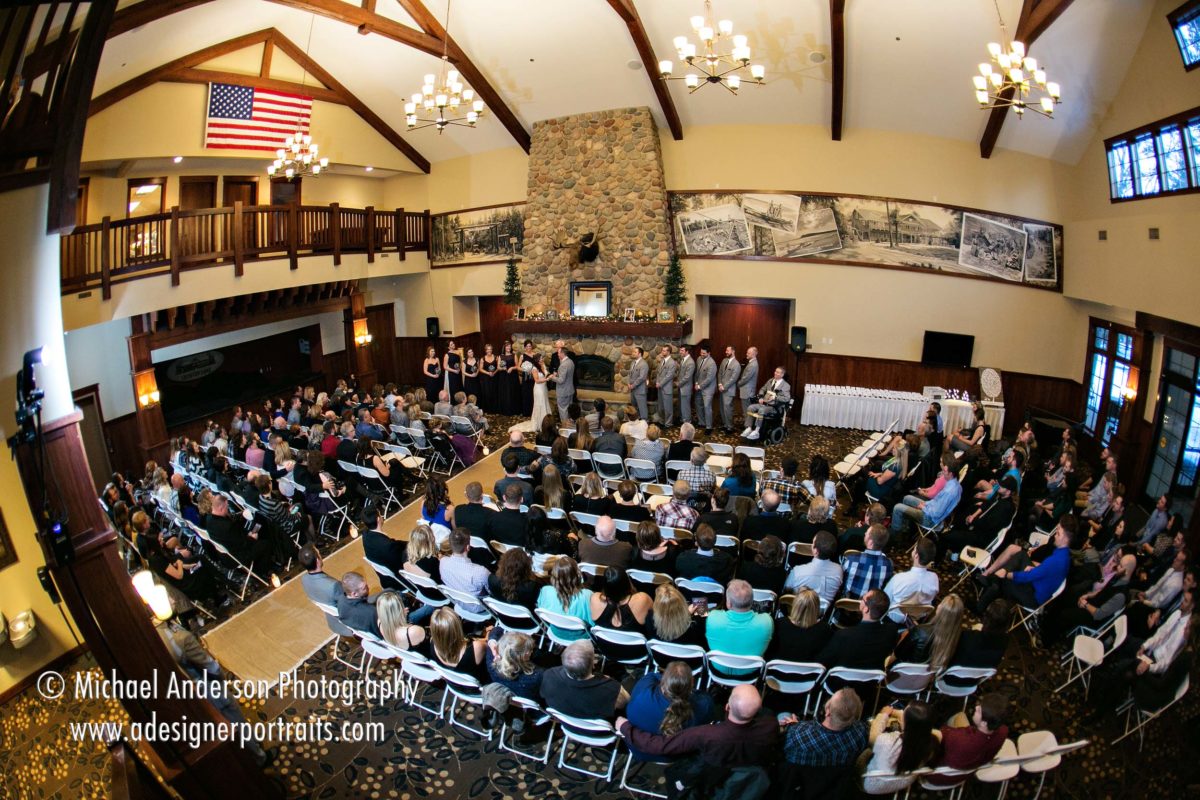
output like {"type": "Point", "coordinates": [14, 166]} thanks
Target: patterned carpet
{"type": "Point", "coordinates": [417, 757]}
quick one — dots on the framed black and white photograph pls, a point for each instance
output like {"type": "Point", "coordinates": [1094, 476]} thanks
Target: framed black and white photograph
{"type": "Point", "coordinates": [484, 235]}
{"type": "Point", "coordinates": [816, 232]}
{"type": "Point", "coordinates": [778, 212]}
{"type": "Point", "coordinates": [521, 312]}
{"type": "Point", "coordinates": [992, 247]}
{"type": "Point", "coordinates": [630, 315]}
{"type": "Point", "coordinates": [714, 231]}
{"type": "Point", "coordinates": [1041, 263]}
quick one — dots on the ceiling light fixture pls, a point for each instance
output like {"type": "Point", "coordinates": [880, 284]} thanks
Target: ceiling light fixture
{"type": "Point", "coordinates": [444, 102]}
{"type": "Point", "coordinates": [299, 157]}
{"type": "Point", "coordinates": [1019, 83]}
{"type": "Point", "coordinates": [711, 65]}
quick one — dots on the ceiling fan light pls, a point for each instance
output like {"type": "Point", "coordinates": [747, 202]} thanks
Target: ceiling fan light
{"type": "Point", "coordinates": [689, 51]}
{"type": "Point", "coordinates": [1048, 105]}
{"type": "Point", "coordinates": [985, 69]}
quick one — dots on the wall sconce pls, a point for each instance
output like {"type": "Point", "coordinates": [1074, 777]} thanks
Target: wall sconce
{"type": "Point", "coordinates": [147, 389]}
{"type": "Point", "coordinates": [1130, 392]}
{"type": "Point", "coordinates": [148, 399]}
{"type": "Point", "coordinates": [23, 629]}
{"type": "Point", "coordinates": [362, 337]}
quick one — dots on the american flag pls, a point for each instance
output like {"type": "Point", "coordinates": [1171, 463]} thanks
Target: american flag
{"type": "Point", "coordinates": [244, 118]}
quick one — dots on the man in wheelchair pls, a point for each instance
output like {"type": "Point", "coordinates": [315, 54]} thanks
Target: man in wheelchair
{"type": "Point", "coordinates": [765, 418]}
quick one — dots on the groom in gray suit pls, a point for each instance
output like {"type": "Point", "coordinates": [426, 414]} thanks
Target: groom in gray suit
{"type": "Point", "coordinates": [727, 378]}
{"type": "Point", "coordinates": [748, 381]}
{"type": "Point", "coordinates": [706, 387]}
{"type": "Point", "coordinates": [664, 379]}
{"type": "Point", "coordinates": [564, 381]}
{"type": "Point", "coordinates": [639, 378]}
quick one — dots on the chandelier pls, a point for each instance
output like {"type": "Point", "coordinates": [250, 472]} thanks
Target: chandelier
{"type": "Point", "coordinates": [1019, 82]}
{"type": "Point", "coordinates": [299, 158]}
{"type": "Point", "coordinates": [443, 99]}
{"type": "Point", "coordinates": [712, 63]}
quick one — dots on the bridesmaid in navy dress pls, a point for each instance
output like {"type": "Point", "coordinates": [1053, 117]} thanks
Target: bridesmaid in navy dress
{"type": "Point", "coordinates": [471, 374]}
{"type": "Point", "coordinates": [452, 363]}
{"type": "Point", "coordinates": [510, 390]}
{"type": "Point", "coordinates": [487, 380]}
{"type": "Point", "coordinates": [431, 368]}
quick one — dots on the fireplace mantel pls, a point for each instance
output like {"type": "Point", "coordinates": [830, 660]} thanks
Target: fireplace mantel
{"type": "Point", "coordinates": [651, 331]}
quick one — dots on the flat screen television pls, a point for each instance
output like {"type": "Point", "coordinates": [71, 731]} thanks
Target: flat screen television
{"type": "Point", "coordinates": [947, 349]}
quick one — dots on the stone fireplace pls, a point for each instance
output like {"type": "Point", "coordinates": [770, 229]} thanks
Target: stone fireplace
{"type": "Point", "coordinates": [593, 372]}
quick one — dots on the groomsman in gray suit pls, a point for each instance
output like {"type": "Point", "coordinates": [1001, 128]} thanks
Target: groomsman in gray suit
{"type": "Point", "coordinates": [706, 387]}
{"type": "Point", "coordinates": [664, 379]}
{"type": "Point", "coordinates": [727, 379]}
{"type": "Point", "coordinates": [564, 381]}
{"type": "Point", "coordinates": [685, 382]}
{"type": "Point", "coordinates": [639, 380]}
{"type": "Point", "coordinates": [748, 381]}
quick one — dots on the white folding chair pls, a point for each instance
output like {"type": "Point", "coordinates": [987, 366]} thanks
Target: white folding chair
{"type": "Point", "coordinates": [1029, 617]}
{"type": "Point", "coordinates": [427, 590]}
{"type": "Point", "coordinates": [676, 535]}
{"type": "Point", "coordinates": [382, 571]}
{"type": "Point", "coordinates": [910, 679]}
{"type": "Point", "coordinates": [542, 449]}
{"type": "Point", "coordinates": [512, 617]}
{"type": "Point", "coordinates": [837, 677]}
{"type": "Point", "coordinates": [625, 647]}
{"type": "Point", "coordinates": [728, 669]}
{"type": "Point", "coordinates": [467, 428]}
{"type": "Point", "coordinates": [753, 453]}
{"type": "Point", "coordinates": [663, 653]}
{"type": "Point", "coordinates": [1088, 652]}
{"type": "Point", "coordinates": [584, 457]}
{"type": "Point", "coordinates": [339, 629]}
{"type": "Point", "coordinates": [533, 714]}
{"type": "Point", "coordinates": [609, 466]}
{"type": "Point", "coordinates": [641, 765]}
{"type": "Point", "coordinates": [402, 455]}
{"type": "Point", "coordinates": [248, 570]}
{"type": "Point", "coordinates": [646, 581]}
{"type": "Point", "coordinates": [463, 601]}
{"type": "Point", "coordinates": [462, 688]}
{"type": "Point", "coordinates": [592, 570]}
{"type": "Point", "coordinates": [1137, 719]}
{"type": "Point", "coordinates": [962, 681]}
{"type": "Point", "coordinates": [955, 789]}
{"type": "Point", "coordinates": [718, 449]}
{"type": "Point", "coordinates": [1003, 768]}
{"type": "Point", "coordinates": [375, 480]}
{"type": "Point", "coordinates": [340, 513]}
{"type": "Point", "coordinates": [557, 627]}
{"type": "Point", "coordinates": [797, 678]}
{"type": "Point", "coordinates": [975, 559]}
{"type": "Point", "coordinates": [673, 468]}
{"type": "Point", "coordinates": [641, 469]}
{"type": "Point", "coordinates": [1040, 744]}
{"type": "Point", "coordinates": [420, 675]}
{"type": "Point", "coordinates": [711, 591]}
{"type": "Point", "coordinates": [593, 733]}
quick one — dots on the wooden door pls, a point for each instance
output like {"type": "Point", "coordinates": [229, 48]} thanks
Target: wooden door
{"type": "Point", "coordinates": [752, 322]}
{"type": "Point", "coordinates": [197, 234]}
{"type": "Point", "coordinates": [284, 191]}
{"type": "Point", "coordinates": [493, 312]}
{"type": "Point", "coordinates": [197, 191]}
{"type": "Point", "coordinates": [243, 189]}
{"type": "Point", "coordinates": [381, 322]}
{"type": "Point", "coordinates": [91, 428]}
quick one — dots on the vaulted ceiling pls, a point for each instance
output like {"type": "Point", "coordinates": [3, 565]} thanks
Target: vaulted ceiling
{"type": "Point", "coordinates": [908, 63]}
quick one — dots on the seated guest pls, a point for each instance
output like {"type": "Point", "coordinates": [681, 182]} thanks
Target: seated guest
{"type": "Point", "coordinates": [787, 485]}
{"type": "Point", "coordinates": [835, 741]}
{"type": "Point", "coordinates": [666, 702]}
{"type": "Point", "coordinates": [581, 438]}
{"type": "Point", "coordinates": [1028, 584]}
{"type": "Point", "coordinates": [592, 498]}
{"type": "Point", "coordinates": [676, 513]}
{"type": "Point", "coordinates": [512, 465]}
{"type": "Point", "coordinates": [603, 548]}
{"type": "Point", "coordinates": [919, 585]}
{"type": "Point", "coordinates": [634, 426]}
{"type": "Point", "coordinates": [379, 548]}
{"type": "Point", "coordinates": [423, 554]}
{"type": "Point", "coordinates": [741, 481]}
{"type": "Point", "coordinates": [1146, 608]}
{"type": "Point", "coordinates": [768, 521]}
{"type": "Point", "coordinates": [1100, 497]}
{"type": "Point", "coordinates": [969, 437]}
{"type": "Point", "coordinates": [969, 744]}
{"type": "Point", "coordinates": [671, 619]}
{"type": "Point", "coordinates": [517, 448]}
{"type": "Point", "coordinates": [930, 513]}
{"type": "Point", "coordinates": [765, 570]}
{"type": "Point", "coordinates": [719, 516]}
{"type": "Point", "coordinates": [1100, 531]}
{"type": "Point", "coordinates": [316, 584]}
{"type": "Point", "coordinates": [619, 605]}
{"type": "Point", "coordinates": [510, 663]}
{"type": "Point", "coordinates": [514, 581]}
{"type": "Point", "coordinates": [567, 595]}
{"type": "Point", "coordinates": [473, 515]}
{"type": "Point", "coordinates": [459, 572]}
{"type": "Point", "coordinates": [985, 647]}
{"type": "Point", "coordinates": [609, 441]}
{"type": "Point", "coordinates": [1106, 599]}
{"type": "Point", "coordinates": [745, 738]}
{"type": "Point", "coordinates": [548, 432]}
{"type": "Point", "coordinates": [182, 569]}
{"type": "Point", "coordinates": [508, 525]}
{"type": "Point", "coordinates": [682, 450]}
{"type": "Point", "coordinates": [550, 493]}
{"type": "Point", "coordinates": [802, 634]}
{"type": "Point", "coordinates": [867, 644]}
{"type": "Point", "coordinates": [822, 575]}
{"type": "Point", "coordinates": [599, 407]}
{"type": "Point", "coordinates": [1060, 492]}
{"type": "Point", "coordinates": [982, 525]}
{"type": "Point", "coordinates": [442, 407]}
{"type": "Point", "coordinates": [625, 504]}
{"type": "Point", "coordinates": [819, 483]}
{"type": "Point", "coordinates": [466, 408]}
{"type": "Point", "coordinates": [698, 477]}
{"type": "Point", "coordinates": [391, 471]}
{"type": "Point", "coordinates": [854, 538]}
{"type": "Point", "coordinates": [253, 548]}
{"type": "Point", "coordinates": [804, 529]}
{"type": "Point", "coordinates": [870, 569]}
{"type": "Point", "coordinates": [884, 482]}
{"type": "Point", "coordinates": [437, 509]}
{"type": "Point", "coordinates": [574, 690]}
{"type": "Point", "coordinates": [393, 622]}
{"type": "Point", "coordinates": [934, 642]}
{"type": "Point", "coordinates": [1157, 522]}
{"type": "Point", "coordinates": [354, 608]}
{"type": "Point", "coordinates": [704, 561]}
{"type": "Point", "coordinates": [739, 630]}
{"type": "Point", "coordinates": [560, 459]}
{"type": "Point", "coordinates": [451, 647]}
{"type": "Point", "coordinates": [901, 741]}
{"type": "Point", "coordinates": [654, 554]}
{"type": "Point", "coordinates": [651, 449]}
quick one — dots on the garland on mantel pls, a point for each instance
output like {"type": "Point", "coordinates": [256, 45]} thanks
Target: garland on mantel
{"type": "Point", "coordinates": [642, 317]}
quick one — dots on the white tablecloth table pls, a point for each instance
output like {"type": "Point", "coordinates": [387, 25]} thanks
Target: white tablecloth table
{"type": "Point", "coordinates": [876, 409]}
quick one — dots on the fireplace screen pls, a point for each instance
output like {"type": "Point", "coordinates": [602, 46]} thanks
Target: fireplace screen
{"type": "Point", "coordinates": [593, 372]}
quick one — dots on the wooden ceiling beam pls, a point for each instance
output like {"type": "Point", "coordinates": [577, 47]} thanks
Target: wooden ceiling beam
{"type": "Point", "coordinates": [628, 14]}
{"type": "Point", "coordinates": [264, 70]}
{"type": "Point", "coordinates": [205, 76]}
{"type": "Point", "coordinates": [837, 37]}
{"type": "Point", "coordinates": [466, 67]}
{"type": "Point", "coordinates": [373, 23]}
{"type": "Point", "coordinates": [1036, 17]}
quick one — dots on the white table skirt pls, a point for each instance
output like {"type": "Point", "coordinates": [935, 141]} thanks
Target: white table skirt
{"type": "Point", "coordinates": [876, 409]}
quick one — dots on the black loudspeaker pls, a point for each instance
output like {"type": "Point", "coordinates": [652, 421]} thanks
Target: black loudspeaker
{"type": "Point", "coordinates": [799, 339]}
{"type": "Point", "coordinates": [433, 328]}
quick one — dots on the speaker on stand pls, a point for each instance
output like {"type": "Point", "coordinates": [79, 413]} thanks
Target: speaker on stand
{"type": "Point", "coordinates": [798, 344]}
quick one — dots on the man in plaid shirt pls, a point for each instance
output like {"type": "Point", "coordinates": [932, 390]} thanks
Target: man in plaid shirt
{"type": "Point", "coordinates": [787, 487]}
{"type": "Point", "coordinates": [697, 476]}
{"type": "Point", "coordinates": [835, 741]}
{"type": "Point", "coordinates": [870, 569]}
{"type": "Point", "coordinates": [677, 513]}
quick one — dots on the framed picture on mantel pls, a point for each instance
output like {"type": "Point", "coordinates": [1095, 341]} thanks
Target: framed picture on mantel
{"type": "Point", "coordinates": [630, 315]}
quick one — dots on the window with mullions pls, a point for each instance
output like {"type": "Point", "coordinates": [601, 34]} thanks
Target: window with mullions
{"type": "Point", "coordinates": [1185, 21]}
{"type": "Point", "coordinates": [1161, 158]}
{"type": "Point", "coordinates": [1110, 373]}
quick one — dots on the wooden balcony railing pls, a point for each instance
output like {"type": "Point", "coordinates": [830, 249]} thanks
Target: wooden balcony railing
{"type": "Point", "coordinates": [113, 252]}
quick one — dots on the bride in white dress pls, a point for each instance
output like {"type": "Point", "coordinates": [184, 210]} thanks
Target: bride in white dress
{"type": "Point", "coordinates": [541, 396]}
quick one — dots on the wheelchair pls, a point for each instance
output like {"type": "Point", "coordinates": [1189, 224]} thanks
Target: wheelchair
{"type": "Point", "coordinates": [774, 423]}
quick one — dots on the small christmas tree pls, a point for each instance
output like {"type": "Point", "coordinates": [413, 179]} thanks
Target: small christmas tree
{"type": "Point", "coordinates": [674, 285]}
{"type": "Point", "coordinates": [512, 283]}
